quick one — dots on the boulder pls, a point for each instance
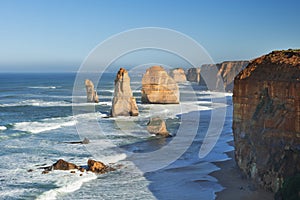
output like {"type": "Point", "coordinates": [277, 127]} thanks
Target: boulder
{"type": "Point", "coordinates": [64, 165]}
{"type": "Point", "coordinates": [91, 93]}
{"type": "Point", "coordinates": [178, 75]}
{"type": "Point", "coordinates": [157, 126]}
{"type": "Point", "coordinates": [159, 87]}
{"type": "Point", "coordinates": [123, 104]}
{"type": "Point", "coordinates": [98, 167]}
{"type": "Point", "coordinates": [266, 118]}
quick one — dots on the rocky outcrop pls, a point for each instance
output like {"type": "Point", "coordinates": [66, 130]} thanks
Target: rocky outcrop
{"type": "Point", "coordinates": [159, 87]}
{"type": "Point", "coordinates": [93, 166]}
{"type": "Point", "coordinates": [91, 93]}
{"type": "Point", "coordinates": [178, 75]}
{"type": "Point", "coordinates": [266, 118]}
{"type": "Point", "coordinates": [193, 75]}
{"type": "Point", "coordinates": [98, 167]}
{"type": "Point", "coordinates": [221, 75]}
{"type": "Point", "coordinates": [64, 165]}
{"type": "Point", "coordinates": [226, 73]}
{"type": "Point", "coordinates": [123, 104]}
{"type": "Point", "coordinates": [157, 126]}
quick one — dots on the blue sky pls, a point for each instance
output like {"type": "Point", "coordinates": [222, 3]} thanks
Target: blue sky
{"type": "Point", "coordinates": [56, 35]}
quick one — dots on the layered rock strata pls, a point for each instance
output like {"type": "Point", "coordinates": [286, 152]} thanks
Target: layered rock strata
{"type": "Point", "coordinates": [159, 87]}
{"type": "Point", "coordinates": [266, 118]}
{"type": "Point", "coordinates": [123, 103]}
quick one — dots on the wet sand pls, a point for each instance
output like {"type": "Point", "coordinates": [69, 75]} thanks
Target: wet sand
{"type": "Point", "coordinates": [236, 186]}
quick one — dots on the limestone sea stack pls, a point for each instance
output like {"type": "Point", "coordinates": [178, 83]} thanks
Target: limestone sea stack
{"type": "Point", "coordinates": [158, 126]}
{"type": "Point", "coordinates": [178, 75]}
{"type": "Point", "coordinates": [159, 87]}
{"type": "Point", "coordinates": [193, 75]}
{"type": "Point", "coordinates": [123, 103]}
{"type": "Point", "coordinates": [91, 92]}
{"type": "Point", "coordinates": [266, 118]}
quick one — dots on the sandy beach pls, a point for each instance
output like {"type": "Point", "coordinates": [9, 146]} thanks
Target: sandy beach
{"type": "Point", "coordinates": [236, 185]}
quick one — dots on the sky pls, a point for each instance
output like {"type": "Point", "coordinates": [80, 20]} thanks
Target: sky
{"type": "Point", "coordinates": [57, 35]}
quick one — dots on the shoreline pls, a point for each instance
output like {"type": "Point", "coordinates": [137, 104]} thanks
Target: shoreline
{"type": "Point", "coordinates": [236, 186]}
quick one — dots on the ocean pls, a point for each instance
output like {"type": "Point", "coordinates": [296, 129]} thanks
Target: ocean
{"type": "Point", "coordinates": [41, 112]}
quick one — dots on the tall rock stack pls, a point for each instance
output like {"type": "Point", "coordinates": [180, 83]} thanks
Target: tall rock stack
{"type": "Point", "coordinates": [178, 75]}
{"type": "Point", "coordinates": [91, 93]}
{"type": "Point", "coordinates": [159, 87]}
{"type": "Point", "coordinates": [123, 104]}
{"type": "Point", "coordinates": [266, 118]}
{"type": "Point", "coordinates": [193, 75]}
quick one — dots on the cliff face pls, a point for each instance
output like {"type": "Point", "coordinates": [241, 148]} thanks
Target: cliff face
{"type": "Point", "coordinates": [178, 75]}
{"type": "Point", "coordinates": [266, 118]}
{"type": "Point", "coordinates": [227, 71]}
{"type": "Point", "coordinates": [219, 75]}
{"type": "Point", "coordinates": [123, 104]}
{"type": "Point", "coordinates": [159, 87]}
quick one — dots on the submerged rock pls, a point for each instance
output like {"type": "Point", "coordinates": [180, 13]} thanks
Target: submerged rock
{"type": "Point", "coordinates": [123, 104]}
{"type": "Point", "coordinates": [159, 87]}
{"type": "Point", "coordinates": [157, 126]}
{"type": "Point", "coordinates": [178, 75]}
{"type": "Point", "coordinates": [91, 93]}
{"type": "Point", "coordinates": [266, 118]}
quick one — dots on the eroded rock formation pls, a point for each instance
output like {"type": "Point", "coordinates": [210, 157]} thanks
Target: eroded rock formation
{"type": "Point", "coordinates": [157, 126]}
{"type": "Point", "coordinates": [226, 73]}
{"type": "Point", "coordinates": [91, 93]}
{"type": "Point", "coordinates": [178, 75]}
{"type": "Point", "coordinates": [159, 87]}
{"type": "Point", "coordinates": [193, 75]}
{"type": "Point", "coordinates": [123, 104]}
{"type": "Point", "coordinates": [98, 167]}
{"type": "Point", "coordinates": [266, 118]}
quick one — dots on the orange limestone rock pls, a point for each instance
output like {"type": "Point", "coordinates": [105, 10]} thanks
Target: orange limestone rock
{"type": "Point", "coordinates": [123, 104]}
{"type": "Point", "coordinates": [91, 92]}
{"type": "Point", "coordinates": [157, 126]}
{"type": "Point", "coordinates": [159, 87]}
{"type": "Point", "coordinates": [178, 75]}
{"type": "Point", "coordinates": [266, 118]}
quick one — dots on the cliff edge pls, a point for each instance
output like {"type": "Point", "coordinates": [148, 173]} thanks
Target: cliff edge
{"type": "Point", "coordinates": [266, 118]}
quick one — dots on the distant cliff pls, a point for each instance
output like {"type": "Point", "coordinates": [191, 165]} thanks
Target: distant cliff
{"type": "Point", "coordinates": [223, 79]}
{"type": "Point", "coordinates": [266, 118]}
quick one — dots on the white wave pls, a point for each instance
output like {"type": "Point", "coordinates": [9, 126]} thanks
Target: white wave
{"type": "Point", "coordinates": [3, 128]}
{"type": "Point", "coordinates": [54, 123]}
{"type": "Point", "coordinates": [45, 125]}
{"type": "Point", "coordinates": [41, 103]}
{"type": "Point", "coordinates": [43, 87]}
{"type": "Point", "coordinates": [67, 183]}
